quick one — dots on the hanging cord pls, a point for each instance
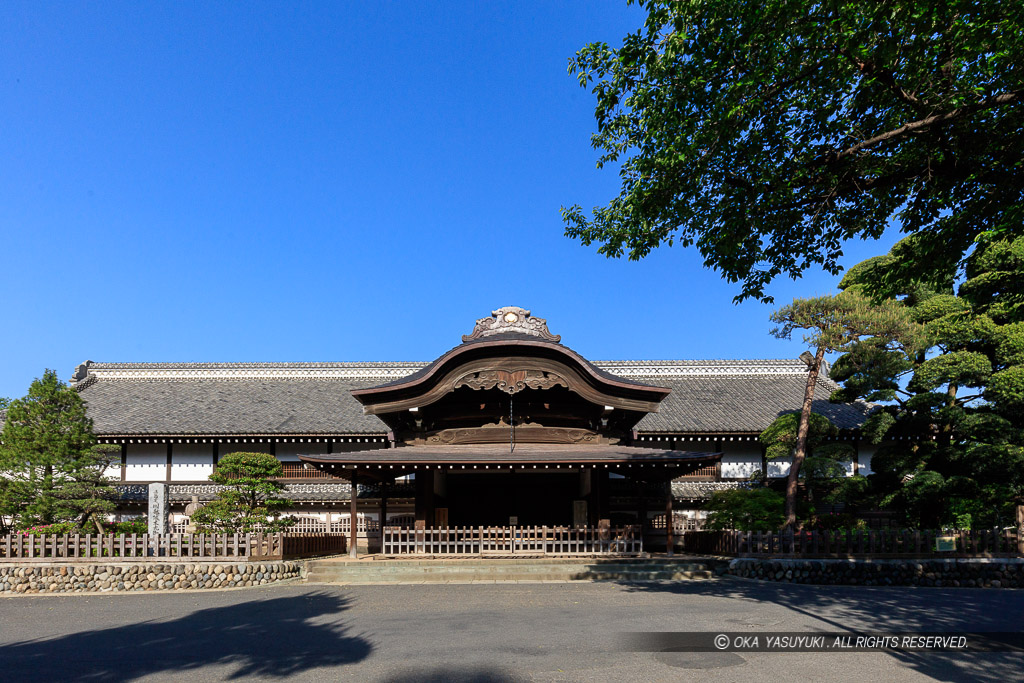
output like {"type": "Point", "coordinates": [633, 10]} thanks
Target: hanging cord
{"type": "Point", "coordinates": [511, 425]}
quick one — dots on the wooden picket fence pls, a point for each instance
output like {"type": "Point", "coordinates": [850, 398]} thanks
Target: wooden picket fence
{"type": "Point", "coordinates": [115, 547]}
{"type": "Point", "coordinates": [895, 543]}
{"type": "Point", "coordinates": [512, 540]}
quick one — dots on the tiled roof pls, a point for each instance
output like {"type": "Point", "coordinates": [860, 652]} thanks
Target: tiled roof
{"type": "Point", "coordinates": [742, 403]}
{"type": "Point", "coordinates": [715, 396]}
{"type": "Point", "coordinates": [702, 490]}
{"type": "Point", "coordinates": [213, 406]}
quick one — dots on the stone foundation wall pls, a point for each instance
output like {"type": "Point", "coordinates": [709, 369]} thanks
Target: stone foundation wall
{"type": "Point", "coordinates": [978, 573]}
{"type": "Point", "coordinates": [139, 576]}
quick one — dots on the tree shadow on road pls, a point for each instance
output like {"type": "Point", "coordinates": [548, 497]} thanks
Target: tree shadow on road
{"type": "Point", "coordinates": [274, 637]}
{"type": "Point", "coordinates": [867, 609]}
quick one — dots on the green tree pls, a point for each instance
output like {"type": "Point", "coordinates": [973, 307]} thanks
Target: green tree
{"type": "Point", "coordinates": [824, 461]}
{"type": "Point", "coordinates": [249, 498]}
{"type": "Point", "coordinates": [951, 427]}
{"type": "Point", "coordinates": [52, 466]}
{"type": "Point", "coordinates": [767, 133]}
{"type": "Point", "coordinates": [86, 495]}
{"type": "Point", "coordinates": [833, 324]}
{"type": "Point", "coordinates": [758, 509]}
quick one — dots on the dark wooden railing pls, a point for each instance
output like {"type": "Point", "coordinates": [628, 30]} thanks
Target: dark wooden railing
{"type": "Point", "coordinates": [895, 543]}
{"type": "Point", "coordinates": [299, 470]}
{"type": "Point", "coordinates": [706, 473]}
{"type": "Point", "coordinates": [513, 540]}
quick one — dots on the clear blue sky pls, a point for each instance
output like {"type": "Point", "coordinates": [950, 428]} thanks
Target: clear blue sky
{"type": "Point", "coordinates": [321, 181]}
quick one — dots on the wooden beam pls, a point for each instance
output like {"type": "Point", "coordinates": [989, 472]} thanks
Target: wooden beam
{"type": "Point", "coordinates": [169, 459]}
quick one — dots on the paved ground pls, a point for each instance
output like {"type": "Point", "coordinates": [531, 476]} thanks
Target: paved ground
{"type": "Point", "coordinates": [524, 632]}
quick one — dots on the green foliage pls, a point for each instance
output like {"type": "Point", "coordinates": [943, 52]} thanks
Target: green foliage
{"type": "Point", "coordinates": [952, 429]}
{"type": "Point", "coordinates": [248, 500]}
{"type": "Point", "coordinates": [47, 529]}
{"type": "Point", "coordinates": [779, 439]}
{"type": "Point", "coordinates": [758, 509]}
{"type": "Point", "coordinates": [52, 468]}
{"type": "Point", "coordinates": [1006, 390]}
{"type": "Point", "coordinates": [837, 323]}
{"type": "Point", "coordinates": [767, 133]}
{"type": "Point", "coordinates": [823, 465]}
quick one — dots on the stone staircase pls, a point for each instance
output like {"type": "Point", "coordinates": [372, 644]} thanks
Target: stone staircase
{"type": "Point", "coordinates": [487, 570]}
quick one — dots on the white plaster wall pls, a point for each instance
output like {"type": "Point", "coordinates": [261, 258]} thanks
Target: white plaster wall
{"type": "Point", "coordinates": [227, 448]}
{"type": "Point", "coordinates": [864, 460]}
{"type": "Point", "coordinates": [146, 462]}
{"type": "Point", "coordinates": [191, 461]}
{"type": "Point", "coordinates": [289, 452]}
{"type": "Point", "coordinates": [779, 467]}
{"type": "Point", "coordinates": [740, 460]}
{"type": "Point", "coordinates": [114, 471]}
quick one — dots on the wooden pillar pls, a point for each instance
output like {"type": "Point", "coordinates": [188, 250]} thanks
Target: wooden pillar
{"type": "Point", "coordinates": [669, 539]}
{"type": "Point", "coordinates": [383, 508]}
{"type": "Point", "coordinates": [169, 460]}
{"type": "Point", "coordinates": [124, 460]}
{"type": "Point", "coordinates": [641, 505]}
{"type": "Point", "coordinates": [424, 483]}
{"type": "Point", "coordinates": [604, 495]}
{"type": "Point", "coordinates": [353, 525]}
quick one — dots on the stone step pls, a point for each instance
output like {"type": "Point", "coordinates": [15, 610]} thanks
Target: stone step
{"type": "Point", "coordinates": [484, 570]}
{"type": "Point", "coordinates": [472, 578]}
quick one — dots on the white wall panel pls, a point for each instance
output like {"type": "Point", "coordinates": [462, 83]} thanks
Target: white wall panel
{"type": "Point", "coordinates": [228, 448]}
{"type": "Point", "coordinates": [864, 460]}
{"type": "Point", "coordinates": [191, 461]}
{"type": "Point", "coordinates": [779, 467]}
{"type": "Point", "coordinates": [146, 462]}
{"type": "Point", "coordinates": [740, 460]}
{"type": "Point", "coordinates": [289, 452]}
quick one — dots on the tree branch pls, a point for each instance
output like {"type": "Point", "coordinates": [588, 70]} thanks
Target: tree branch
{"type": "Point", "coordinates": [927, 122]}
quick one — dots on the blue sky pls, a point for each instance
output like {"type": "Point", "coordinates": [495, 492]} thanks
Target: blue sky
{"type": "Point", "coordinates": [321, 181]}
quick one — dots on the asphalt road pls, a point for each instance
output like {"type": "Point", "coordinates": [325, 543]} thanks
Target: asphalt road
{"type": "Point", "coordinates": [521, 632]}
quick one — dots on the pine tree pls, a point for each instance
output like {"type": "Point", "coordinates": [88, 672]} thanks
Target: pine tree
{"type": "Point", "coordinates": [834, 324]}
{"type": "Point", "coordinates": [951, 427]}
{"type": "Point", "coordinates": [248, 500]}
{"type": "Point", "coordinates": [50, 460]}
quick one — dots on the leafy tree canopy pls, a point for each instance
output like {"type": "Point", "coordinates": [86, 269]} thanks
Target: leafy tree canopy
{"type": "Point", "coordinates": [767, 133]}
{"type": "Point", "coordinates": [52, 468]}
{"type": "Point", "coordinates": [951, 430]}
{"type": "Point", "coordinates": [831, 324]}
{"type": "Point", "coordinates": [758, 509]}
{"type": "Point", "coordinates": [249, 498]}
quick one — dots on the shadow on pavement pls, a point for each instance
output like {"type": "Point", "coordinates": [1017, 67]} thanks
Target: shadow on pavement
{"type": "Point", "coordinates": [275, 637]}
{"type": "Point", "coordinates": [894, 609]}
{"type": "Point", "coordinates": [456, 674]}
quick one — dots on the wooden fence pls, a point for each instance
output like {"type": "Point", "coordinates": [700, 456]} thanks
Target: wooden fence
{"type": "Point", "coordinates": [515, 540]}
{"type": "Point", "coordinates": [311, 525]}
{"type": "Point", "coordinates": [895, 543]}
{"type": "Point", "coordinates": [111, 547]}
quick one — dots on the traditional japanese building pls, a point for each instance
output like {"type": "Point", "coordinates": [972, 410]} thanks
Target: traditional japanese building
{"type": "Point", "coordinates": [509, 427]}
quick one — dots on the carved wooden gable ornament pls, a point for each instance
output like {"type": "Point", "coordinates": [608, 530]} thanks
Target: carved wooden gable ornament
{"type": "Point", "coordinates": [511, 319]}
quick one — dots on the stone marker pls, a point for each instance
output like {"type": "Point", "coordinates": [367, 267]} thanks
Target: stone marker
{"type": "Point", "coordinates": [159, 509]}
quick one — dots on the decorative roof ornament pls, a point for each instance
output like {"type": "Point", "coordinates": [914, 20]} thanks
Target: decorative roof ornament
{"type": "Point", "coordinates": [511, 319]}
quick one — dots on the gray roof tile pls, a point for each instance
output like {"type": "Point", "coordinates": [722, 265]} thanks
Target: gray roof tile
{"type": "Point", "coordinates": [263, 406]}
{"type": "Point", "coordinates": [202, 399]}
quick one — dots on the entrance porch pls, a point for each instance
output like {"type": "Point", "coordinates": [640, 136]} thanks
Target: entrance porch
{"type": "Point", "coordinates": [548, 498]}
